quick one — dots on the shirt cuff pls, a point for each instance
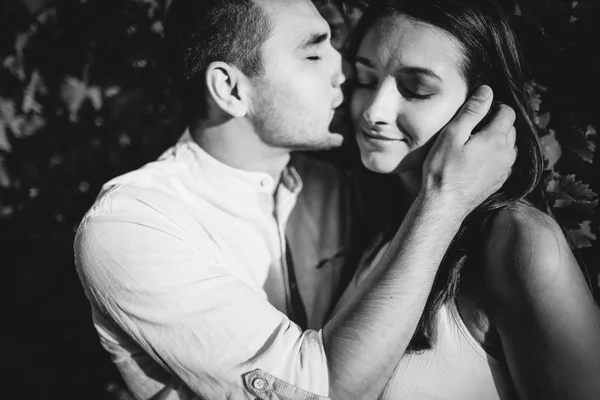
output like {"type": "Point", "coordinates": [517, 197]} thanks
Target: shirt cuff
{"type": "Point", "coordinates": [267, 387]}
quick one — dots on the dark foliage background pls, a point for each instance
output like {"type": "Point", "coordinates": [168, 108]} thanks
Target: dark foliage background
{"type": "Point", "coordinates": [83, 99]}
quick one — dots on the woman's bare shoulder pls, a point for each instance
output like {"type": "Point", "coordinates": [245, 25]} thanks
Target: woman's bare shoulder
{"type": "Point", "coordinates": [525, 246]}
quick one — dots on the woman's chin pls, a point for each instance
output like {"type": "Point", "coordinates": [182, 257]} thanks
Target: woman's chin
{"type": "Point", "coordinates": [381, 165]}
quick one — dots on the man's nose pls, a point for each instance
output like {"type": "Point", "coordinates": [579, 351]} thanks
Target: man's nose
{"type": "Point", "coordinates": [384, 104]}
{"type": "Point", "coordinates": [338, 75]}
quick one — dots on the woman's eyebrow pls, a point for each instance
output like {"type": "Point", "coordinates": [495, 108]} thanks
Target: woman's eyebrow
{"type": "Point", "coordinates": [364, 61]}
{"type": "Point", "coordinates": [421, 71]}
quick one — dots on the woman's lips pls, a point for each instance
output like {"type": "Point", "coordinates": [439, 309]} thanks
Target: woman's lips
{"type": "Point", "coordinates": [380, 137]}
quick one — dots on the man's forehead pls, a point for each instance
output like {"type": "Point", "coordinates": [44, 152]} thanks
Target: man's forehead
{"type": "Point", "coordinates": [292, 19]}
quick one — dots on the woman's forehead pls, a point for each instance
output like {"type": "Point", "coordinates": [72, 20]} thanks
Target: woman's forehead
{"type": "Point", "coordinates": [397, 41]}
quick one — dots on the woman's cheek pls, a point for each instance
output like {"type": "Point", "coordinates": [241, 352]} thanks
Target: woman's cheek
{"type": "Point", "coordinates": [434, 118]}
{"type": "Point", "coordinates": [357, 105]}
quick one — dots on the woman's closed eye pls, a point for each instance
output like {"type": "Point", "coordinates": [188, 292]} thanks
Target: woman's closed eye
{"type": "Point", "coordinates": [416, 88]}
{"type": "Point", "coordinates": [364, 84]}
{"type": "Point", "coordinates": [414, 94]}
{"type": "Point", "coordinates": [364, 80]}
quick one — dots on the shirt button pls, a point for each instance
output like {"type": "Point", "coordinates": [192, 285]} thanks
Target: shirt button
{"type": "Point", "coordinates": [264, 183]}
{"type": "Point", "coordinates": [258, 383]}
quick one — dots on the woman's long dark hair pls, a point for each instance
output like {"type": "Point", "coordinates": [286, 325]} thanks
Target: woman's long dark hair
{"type": "Point", "coordinates": [491, 57]}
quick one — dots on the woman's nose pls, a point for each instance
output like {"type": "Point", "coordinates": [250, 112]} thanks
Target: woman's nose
{"type": "Point", "coordinates": [383, 106]}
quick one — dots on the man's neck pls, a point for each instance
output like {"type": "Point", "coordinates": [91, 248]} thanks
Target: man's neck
{"type": "Point", "coordinates": [241, 148]}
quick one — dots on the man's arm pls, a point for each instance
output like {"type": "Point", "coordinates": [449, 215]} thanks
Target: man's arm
{"type": "Point", "coordinates": [220, 336]}
{"type": "Point", "coordinates": [367, 338]}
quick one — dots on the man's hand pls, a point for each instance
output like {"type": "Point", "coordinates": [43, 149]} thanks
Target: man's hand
{"type": "Point", "coordinates": [467, 168]}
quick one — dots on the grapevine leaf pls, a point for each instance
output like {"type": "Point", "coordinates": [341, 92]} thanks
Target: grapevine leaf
{"type": "Point", "coordinates": [566, 187]}
{"type": "Point", "coordinates": [583, 236]}
{"type": "Point", "coordinates": [30, 125]}
{"type": "Point", "coordinates": [74, 92]}
{"type": "Point", "coordinates": [34, 87]}
{"type": "Point", "coordinates": [15, 65]}
{"type": "Point", "coordinates": [5, 180]}
{"type": "Point", "coordinates": [153, 7]}
{"type": "Point", "coordinates": [543, 120]}
{"type": "Point", "coordinates": [4, 142]}
{"type": "Point", "coordinates": [571, 214]}
{"type": "Point", "coordinates": [584, 145]}
{"type": "Point", "coordinates": [551, 148]}
{"type": "Point", "coordinates": [8, 115]}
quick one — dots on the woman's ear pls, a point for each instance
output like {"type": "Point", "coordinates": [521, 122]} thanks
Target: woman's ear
{"type": "Point", "coordinates": [226, 86]}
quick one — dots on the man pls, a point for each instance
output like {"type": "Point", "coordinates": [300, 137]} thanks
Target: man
{"type": "Point", "coordinates": [191, 272]}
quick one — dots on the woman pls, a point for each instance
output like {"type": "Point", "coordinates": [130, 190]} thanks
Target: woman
{"type": "Point", "coordinates": [510, 314]}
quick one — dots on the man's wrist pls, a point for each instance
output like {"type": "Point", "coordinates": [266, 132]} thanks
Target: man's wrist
{"type": "Point", "coordinates": [442, 203]}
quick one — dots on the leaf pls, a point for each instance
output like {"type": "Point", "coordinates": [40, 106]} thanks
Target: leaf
{"type": "Point", "coordinates": [30, 125]}
{"type": "Point", "coordinates": [571, 214]}
{"type": "Point", "coordinates": [583, 236]}
{"type": "Point", "coordinates": [5, 211]}
{"type": "Point", "coordinates": [566, 187]}
{"type": "Point", "coordinates": [20, 125]}
{"type": "Point", "coordinates": [5, 180]}
{"type": "Point", "coordinates": [15, 65]}
{"type": "Point", "coordinates": [158, 28]}
{"type": "Point", "coordinates": [8, 115]}
{"type": "Point", "coordinates": [533, 21]}
{"type": "Point", "coordinates": [75, 92]}
{"type": "Point", "coordinates": [551, 149]}
{"type": "Point", "coordinates": [542, 121]}
{"type": "Point", "coordinates": [535, 90]}
{"type": "Point", "coordinates": [584, 145]}
{"type": "Point", "coordinates": [111, 91]}
{"type": "Point", "coordinates": [4, 142]}
{"type": "Point", "coordinates": [518, 12]}
{"type": "Point", "coordinates": [34, 87]}
{"type": "Point", "coordinates": [154, 7]}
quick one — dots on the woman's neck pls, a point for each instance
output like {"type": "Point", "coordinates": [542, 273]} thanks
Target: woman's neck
{"type": "Point", "coordinates": [411, 183]}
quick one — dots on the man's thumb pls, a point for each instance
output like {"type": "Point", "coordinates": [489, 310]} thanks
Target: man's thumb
{"type": "Point", "coordinates": [471, 113]}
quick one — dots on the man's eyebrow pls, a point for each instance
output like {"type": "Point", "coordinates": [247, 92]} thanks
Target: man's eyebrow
{"type": "Point", "coordinates": [312, 40]}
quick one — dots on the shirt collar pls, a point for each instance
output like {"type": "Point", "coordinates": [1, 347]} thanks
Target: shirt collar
{"type": "Point", "coordinates": [226, 176]}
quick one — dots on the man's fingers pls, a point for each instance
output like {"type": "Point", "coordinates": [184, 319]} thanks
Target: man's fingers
{"type": "Point", "coordinates": [501, 124]}
{"type": "Point", "coordinates": [511, 137]}
{"type": "Point", "coordinates": [471, 113]}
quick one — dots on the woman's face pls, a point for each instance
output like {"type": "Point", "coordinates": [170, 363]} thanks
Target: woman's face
{"type": "Point", "coordinates": [409, 86]}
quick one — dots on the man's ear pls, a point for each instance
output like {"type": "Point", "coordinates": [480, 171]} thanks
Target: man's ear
{"type": "Point", "coordinates": [226, 86]}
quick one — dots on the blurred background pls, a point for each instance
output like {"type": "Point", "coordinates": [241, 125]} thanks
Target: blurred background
{"type": "Point", "coordinates": [83, 98]}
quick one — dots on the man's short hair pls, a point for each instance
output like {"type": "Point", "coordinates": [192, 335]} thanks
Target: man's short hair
{"type": "Point", "coordinates": [199, 32]}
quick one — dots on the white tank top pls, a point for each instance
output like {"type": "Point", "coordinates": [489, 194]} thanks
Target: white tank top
{"type": "Point", "coordinates": [456, 368]}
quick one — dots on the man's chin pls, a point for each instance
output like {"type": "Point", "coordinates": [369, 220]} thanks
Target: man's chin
{"type": "Point", "coordinates": [334, 139]}
{"type": "Point", "coordinates": [330, 141]}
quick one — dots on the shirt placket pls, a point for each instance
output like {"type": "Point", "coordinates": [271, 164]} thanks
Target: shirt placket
{"type": "Point", "coordinates": [285, 201]}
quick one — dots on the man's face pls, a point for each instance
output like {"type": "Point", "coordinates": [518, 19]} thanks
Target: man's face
{"type": "Point", "coordinates": [293, 103]}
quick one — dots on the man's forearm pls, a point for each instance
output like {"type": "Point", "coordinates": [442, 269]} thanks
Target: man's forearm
{"type": "Point", "coordinates": [367, 338]}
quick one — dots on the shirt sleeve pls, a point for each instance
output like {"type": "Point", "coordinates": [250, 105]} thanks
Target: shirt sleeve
{"type": "Point", "coordinates": [213, 331]}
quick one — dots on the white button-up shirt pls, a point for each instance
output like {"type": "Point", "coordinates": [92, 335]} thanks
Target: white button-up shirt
{"type": "Point", "coordinates": [184, 264]}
